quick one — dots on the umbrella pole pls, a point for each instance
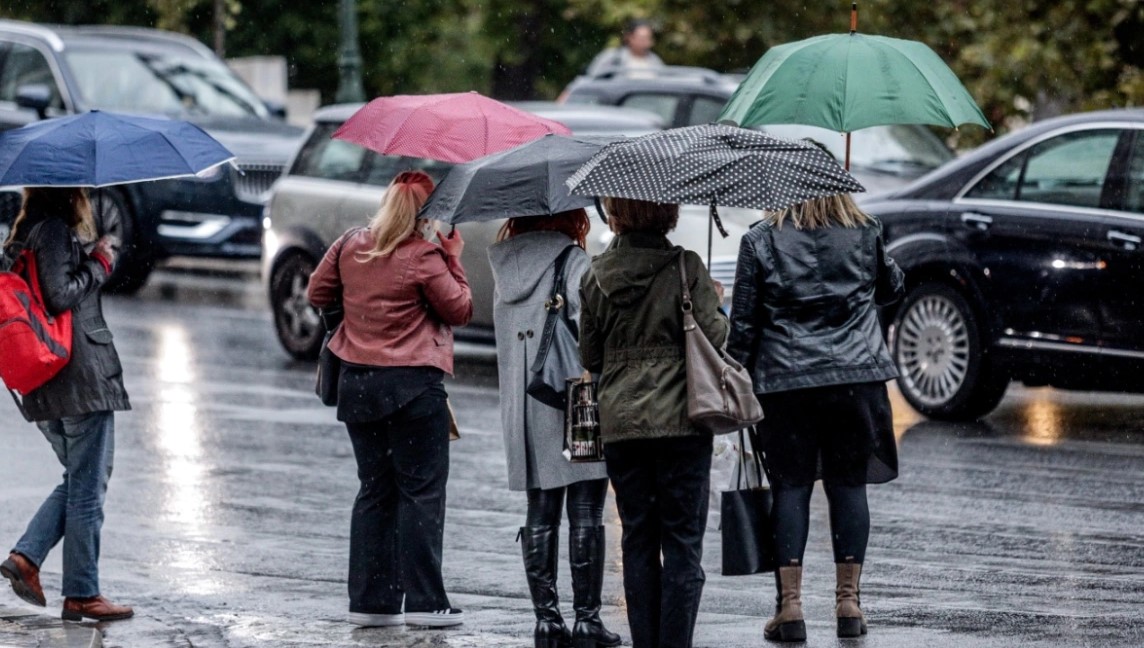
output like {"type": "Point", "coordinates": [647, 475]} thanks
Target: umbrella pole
{"type": "Point", "coordinates": [854, 16]}
{"type": "Point", "coordinates": [710, 235]}
{"type": "Point", "coordinates": [847, 151]}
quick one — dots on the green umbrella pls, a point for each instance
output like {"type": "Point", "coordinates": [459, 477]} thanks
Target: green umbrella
{"type": "Point", "coordinates": [845, 82]}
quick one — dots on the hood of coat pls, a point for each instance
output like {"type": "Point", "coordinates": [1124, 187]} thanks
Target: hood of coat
{"type": "Point", "coordinates": [520, 264]}
{"type": "Point", "coordinates": [627, 269]}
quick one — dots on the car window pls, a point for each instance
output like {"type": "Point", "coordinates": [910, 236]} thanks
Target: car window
{"type": "Point", "coordinates": [25, 65]}
{"type": "Point", "coordinates": [704, 110]}
{"type": "Point", "coordinates": [324, 157]}
{"type": "Point", "coordinates": [127, 80]}
{"type": "Point", "coordinates": [1134, 196]}
{"type": "Point", "coordinates": [1066, 170]}
{"type": "Point", "coordinates": [663, 105]}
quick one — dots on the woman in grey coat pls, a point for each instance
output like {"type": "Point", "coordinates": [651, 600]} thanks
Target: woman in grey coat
{"type": "Point", "coordinates": [524, 267]}
{"type": "Point", "coordinates": [75, 408]}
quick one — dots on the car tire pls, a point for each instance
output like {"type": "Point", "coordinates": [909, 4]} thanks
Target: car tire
{"type": "Point", "coordinates": [295, 320]}
{"type": "Point", "coordinates": [135, 261]}
{"type": "Point", "coordinates": [946, 371]}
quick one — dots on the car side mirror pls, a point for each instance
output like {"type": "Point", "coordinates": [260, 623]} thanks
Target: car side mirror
{"type": "Point", "coordinates": [277, 109]}
{"type": "Point", "coordinates": [35, 96]}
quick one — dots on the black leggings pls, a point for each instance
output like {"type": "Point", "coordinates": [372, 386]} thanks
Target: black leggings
{"type": "Point", "coordinates": [849, 521]}
{"type": "Point", "coordinates": [585, 504]}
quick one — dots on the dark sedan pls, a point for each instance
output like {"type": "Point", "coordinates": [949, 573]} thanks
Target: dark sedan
{"type": "Point", "coordinates": [1023, 261]}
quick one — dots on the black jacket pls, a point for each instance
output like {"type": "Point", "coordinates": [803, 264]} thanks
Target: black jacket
{"type": "Point", "coordinates": [92, 380]}
{"type": "Point", "coordinates": [803, 310]}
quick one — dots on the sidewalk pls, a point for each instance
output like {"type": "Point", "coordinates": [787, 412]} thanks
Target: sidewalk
{"type": "Point", "coordinates": [21, 627]}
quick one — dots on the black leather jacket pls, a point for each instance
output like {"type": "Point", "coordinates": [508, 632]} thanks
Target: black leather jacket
{"type": "Point", "coordinates": [803, 310]}
{"type": "Point", "coordinates": [92, 380]}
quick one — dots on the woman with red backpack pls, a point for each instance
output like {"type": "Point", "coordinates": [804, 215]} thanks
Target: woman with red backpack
{"type": "Point", "coordinates": [75, 408]}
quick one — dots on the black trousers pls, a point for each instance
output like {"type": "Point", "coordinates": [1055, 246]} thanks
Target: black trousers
{"type": "Point", "coordinates": [398, 520]}
{"type": "Point", "coordinates": [662, 486]}
{"type": "Point", "coordinates": [585, 504]}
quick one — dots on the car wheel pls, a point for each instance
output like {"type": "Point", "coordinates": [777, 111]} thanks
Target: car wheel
{"type": "Point", "coordinates": [946, 372]}
{"type": "Point", "coordinates": [135, 261]}
{"type": "Point", "coordinates": [295, 320]}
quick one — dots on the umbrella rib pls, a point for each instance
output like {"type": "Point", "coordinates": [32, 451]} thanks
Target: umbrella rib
{"type": "Point", "coordinates": [925, 74]}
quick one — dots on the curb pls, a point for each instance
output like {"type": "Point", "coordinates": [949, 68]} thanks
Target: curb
{"type": "Point", "coordinates": [20, 628]}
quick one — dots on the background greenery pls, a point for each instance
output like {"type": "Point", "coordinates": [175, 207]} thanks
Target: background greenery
{"type": "Point", "coordinates": [1021, 59]}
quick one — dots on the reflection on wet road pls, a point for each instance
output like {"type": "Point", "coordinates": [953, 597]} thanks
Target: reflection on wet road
{"type": "Point", "coordinates": [228, 513]}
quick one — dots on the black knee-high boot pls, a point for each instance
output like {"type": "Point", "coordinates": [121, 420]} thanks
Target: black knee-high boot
{"type": "Point", "coordinates": [586, 553]}
{"type": "Point", "coordinates": [540, 546]}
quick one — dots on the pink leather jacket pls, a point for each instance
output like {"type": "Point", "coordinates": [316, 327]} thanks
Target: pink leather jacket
{"type": "Point", "coordinates": [399, 309]}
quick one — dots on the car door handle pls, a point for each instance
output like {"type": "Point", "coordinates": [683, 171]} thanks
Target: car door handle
{"type": "Point", "coordinates": [1126, 241]}
{"type": "Point", "coordinates": [979, 222]}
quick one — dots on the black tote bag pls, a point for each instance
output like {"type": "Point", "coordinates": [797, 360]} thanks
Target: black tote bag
{"type": "Point", "coordinates": [330, 365]}
{"type": "Point", "coordinates": [558, 357]}
{"type": "Point", "coordinates": [745, 521]}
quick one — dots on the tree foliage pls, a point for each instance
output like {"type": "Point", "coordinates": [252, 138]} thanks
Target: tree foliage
{"type": "Point", "coordinates": [1021, 59]}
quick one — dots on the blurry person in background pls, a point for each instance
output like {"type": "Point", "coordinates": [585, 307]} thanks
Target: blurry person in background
{"type": "Point", "coordinates": [804, 322]}
{"type": "Point", "coordinates": [524, 268]}
{"type": "Point", "coordinates": [402, 294]}
{"type": "Point", "coordinates": [75, 408]}
{"type": "Point", "coordinates": [634, 52]}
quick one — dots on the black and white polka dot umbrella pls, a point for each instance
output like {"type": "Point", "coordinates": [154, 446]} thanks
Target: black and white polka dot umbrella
{"type": "Point", "coordinates": [713, 164]}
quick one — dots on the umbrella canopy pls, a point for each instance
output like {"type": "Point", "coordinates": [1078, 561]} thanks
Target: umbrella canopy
{"type": "Point", "coordinates": [527, 180]}
{"type": "Point", "coordinates": [845, 82]}
{"type": "Point", "coordinates": [714, 164]}
{"type": "Point", "coordinates": [100, 149]}
{"type": "Point", "coordinates": [455, 127]}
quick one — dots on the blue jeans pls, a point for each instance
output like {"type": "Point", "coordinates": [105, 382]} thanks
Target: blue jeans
{"type": "Point", "coordinates": [73, 512]}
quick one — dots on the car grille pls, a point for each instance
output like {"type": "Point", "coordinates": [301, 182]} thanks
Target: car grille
{"type": "Point", "coordinates": [723, 271]}
{"type": "Point", "coordinates": [255, 180]}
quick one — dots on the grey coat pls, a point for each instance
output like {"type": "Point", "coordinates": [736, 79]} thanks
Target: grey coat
{"type": "Point", "coordinates": [523, 269]}
{"type": "Point", "coordinates": [92, 380]}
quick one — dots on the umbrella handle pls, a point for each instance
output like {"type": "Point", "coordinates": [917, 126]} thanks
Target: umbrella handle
{"type": "Point", "coordinates": [718, 222]}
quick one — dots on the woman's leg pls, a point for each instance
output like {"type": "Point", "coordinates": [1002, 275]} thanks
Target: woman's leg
{"type": "Point", "coordinates": [540, 547]}
{"type": "Point", "coordinates": [849, 522]}
{"type": "Point", "coordinates": [683, 474]}
{"type": "Point", "coordinates": [586, 558]}
{"type": "Point", "coordinates": [632, 469]}
{"type": "Point", "coordinates": [374, 581]}
{"type": "Point", "coordinates": [419, 443]}
{"type": "Point", "coordinates": [46, 528]}
{"type": "Point", "coordinates": [790, 513]}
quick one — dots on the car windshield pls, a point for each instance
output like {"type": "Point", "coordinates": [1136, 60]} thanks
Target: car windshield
{"type": "Point", "coordinates": [144, 82]}
{"type": "Point", "coordinates": [902, 149]}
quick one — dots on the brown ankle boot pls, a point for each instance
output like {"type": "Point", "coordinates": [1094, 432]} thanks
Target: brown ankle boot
{"type": "Point", "coordinates": [787, 624]}
{"type": "Point", "coordinates": [95, 607]}
{"type": "Point", "coordinates": [851, 621]}
{"type": "Point", "coordinates": [24, 577]}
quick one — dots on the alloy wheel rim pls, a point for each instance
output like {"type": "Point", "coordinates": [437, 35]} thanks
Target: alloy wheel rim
{"type": "Point", "coordinates": [300, 318]}
{"type": "Point", "coordinates": [933, 350]}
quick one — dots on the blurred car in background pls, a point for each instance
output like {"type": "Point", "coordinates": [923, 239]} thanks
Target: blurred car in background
{"type": "Point", "coordinates": [881, 158]}
{"type": "Point", "coordinates": [1024, 260]}
{"type": "Point", "coordinates": [333, 185]}
{"type": "Point", "coordinates": [53, 71]}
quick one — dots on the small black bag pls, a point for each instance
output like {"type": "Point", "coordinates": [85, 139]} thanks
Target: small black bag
{"type": "Point", "coordinates": [745, 521]}
{"type": "Point", "coordinates": [558, 358]}
{"type": "Point", "coordinates": [329, 365]}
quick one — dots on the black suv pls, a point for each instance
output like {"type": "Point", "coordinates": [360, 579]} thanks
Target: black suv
{"type": "Point", "coordinates": [882, 157]}
{"type": "Point", "coordinates": [52, 71]}
{"type": "Point", "coordinates": [1023, 260]}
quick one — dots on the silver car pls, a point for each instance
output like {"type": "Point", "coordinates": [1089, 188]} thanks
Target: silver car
{"type": "Point", "coordinates": [333, 185]}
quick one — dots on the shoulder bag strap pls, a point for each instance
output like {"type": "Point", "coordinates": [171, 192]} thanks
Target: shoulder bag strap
{"type": "Point", "coordinates": [557, 300]}
{"type": "Point", "coordinates": [683, 284]}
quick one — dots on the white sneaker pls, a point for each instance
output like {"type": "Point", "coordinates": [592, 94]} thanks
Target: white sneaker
{"type": "Point", "coordinates": [376, 620]}
{"type": "Point", "coordinates": [436, 618]}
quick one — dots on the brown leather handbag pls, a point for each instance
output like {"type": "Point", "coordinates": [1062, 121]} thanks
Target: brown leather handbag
{"type": "Point", "coordinates": [720, 395]}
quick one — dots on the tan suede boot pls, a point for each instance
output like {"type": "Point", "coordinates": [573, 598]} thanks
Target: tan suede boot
{"type": "Point", "coordinates": [851, 621]}
{"type": "Point", "coordinates": [787, 624]}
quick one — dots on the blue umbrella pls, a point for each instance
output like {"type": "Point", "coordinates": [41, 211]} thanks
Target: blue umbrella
{"type": "Point", "coordinates": [100, 149]}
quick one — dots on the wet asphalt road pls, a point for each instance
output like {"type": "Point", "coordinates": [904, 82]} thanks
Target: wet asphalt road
{"type": "Point", "coordinates": [228, 513]}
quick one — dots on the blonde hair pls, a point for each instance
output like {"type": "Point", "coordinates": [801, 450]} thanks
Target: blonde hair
{"type": "Point", "coordinates": [69, 203]}
{"type": "Point", "coordinates": [821, 212]}
{"type": "Point", "coordinates": [574, 224]}
{"type": "Point", "coordinates": [397, 216]}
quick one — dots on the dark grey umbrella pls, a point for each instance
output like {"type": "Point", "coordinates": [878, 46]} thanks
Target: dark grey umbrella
{"type": "Point", "coordinates": [714, 164]}
{"type": "Point", "coordinates": [527, 180]}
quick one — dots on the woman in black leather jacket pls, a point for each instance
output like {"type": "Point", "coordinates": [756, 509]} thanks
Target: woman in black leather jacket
{"type": "Point", "coordinates": [75, 408]}
{"type": "Point", "coordinates": [804, 322]}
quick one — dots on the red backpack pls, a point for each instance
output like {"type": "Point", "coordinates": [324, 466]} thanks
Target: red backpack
{"type": "Point", "coordinates": [34, 345]}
